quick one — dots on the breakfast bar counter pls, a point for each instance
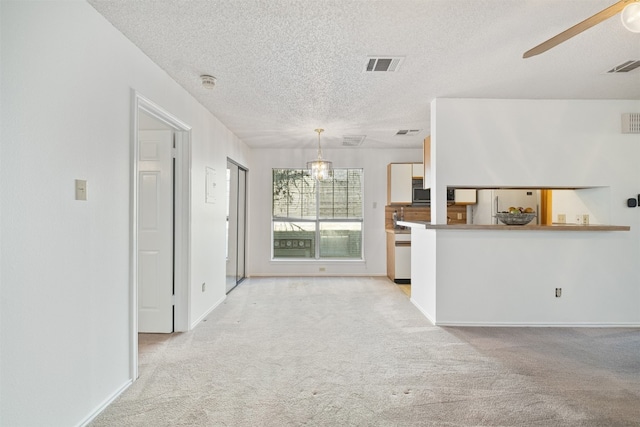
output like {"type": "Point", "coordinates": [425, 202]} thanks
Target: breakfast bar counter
{"type": "Point", "coordinates": [520, 275]}
{"type": "Point", "coordinates": [552, 227]}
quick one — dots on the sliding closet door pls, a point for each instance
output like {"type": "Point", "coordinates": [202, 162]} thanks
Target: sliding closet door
{"type": "Point", "coordinates": [236, 224]}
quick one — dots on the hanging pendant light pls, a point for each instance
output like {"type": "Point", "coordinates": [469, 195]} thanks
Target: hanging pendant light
{"type": "Point", "coordinates": [320, 168]}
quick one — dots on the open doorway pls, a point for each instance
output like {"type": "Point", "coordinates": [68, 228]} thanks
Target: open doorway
{"type": "Point", "coordinates": [160, 227]}
{"type": "Point", "coordinates": [236, 224]}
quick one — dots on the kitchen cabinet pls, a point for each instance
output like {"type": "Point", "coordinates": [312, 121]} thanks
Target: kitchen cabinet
{"type": "Point", "coordinates": [400, 178]}
{"type": "Point", "coordinates": [399, 256]}
{"type": "Point", "coordinates": [426, 160]}
{"type": "Point", "coordinates": [418, 170]}
{"type": "Point", "coordinates": [464, 196]}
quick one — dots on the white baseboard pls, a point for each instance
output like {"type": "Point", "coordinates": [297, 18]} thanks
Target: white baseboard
{"type": "Point", "coordinates": [208, 312]}
{"type": "Point", "coordinates": [526, 324]}
{"type": "Point", "coordinates": [542, 324]}
{"type": "Point", "coordinates": [315, 274]}
{"type": "Point", "coordinates": [105, 403]}
{"type": "Point", "coordinates": [423, 311]}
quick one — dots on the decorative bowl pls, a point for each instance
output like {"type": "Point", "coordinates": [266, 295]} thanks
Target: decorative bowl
{"type": "Point", "coordinates": [515, 219]}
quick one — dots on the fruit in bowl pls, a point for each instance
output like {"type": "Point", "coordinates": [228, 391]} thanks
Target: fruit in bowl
{"type": "Point", "coordinates": [519, 210]}
{"type": "Point", "coordinates": [516, 216]}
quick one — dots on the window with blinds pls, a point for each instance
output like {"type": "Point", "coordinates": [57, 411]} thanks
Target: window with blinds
{"type": "Point", "coordinates": [317, 219]}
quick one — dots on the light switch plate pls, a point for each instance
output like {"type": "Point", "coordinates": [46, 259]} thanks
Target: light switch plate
{"type": "Point", "coordinates": [81, 189]}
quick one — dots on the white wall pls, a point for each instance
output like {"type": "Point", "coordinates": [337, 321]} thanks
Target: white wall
{"type": "Point", "coordinates": [573, 204]}
{"type": "Point", "coordinates": [67, 80]}
{"type": "Point", "coordinates": [373, 161]}
{"type": "Point", "coordinates": [501, 277]}
{"type": "Point", "coordinates": [540, 143]}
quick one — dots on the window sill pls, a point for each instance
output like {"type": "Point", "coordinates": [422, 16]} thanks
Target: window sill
{"type": "Point", "coordinates": [316, 261]}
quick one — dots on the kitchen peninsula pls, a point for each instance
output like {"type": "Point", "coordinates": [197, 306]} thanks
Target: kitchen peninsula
{"type": "Point", "coordinates": [546, 274]}
{"type": "Point", "coordinates": [497, 274]}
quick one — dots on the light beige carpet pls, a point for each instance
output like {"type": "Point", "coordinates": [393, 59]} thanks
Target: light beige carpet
{"type": "Point", "coordinates": [356, 352]}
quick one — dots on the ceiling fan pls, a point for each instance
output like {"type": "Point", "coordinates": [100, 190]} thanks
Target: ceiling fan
{"type": "Point", "coordinates": [630, 19]}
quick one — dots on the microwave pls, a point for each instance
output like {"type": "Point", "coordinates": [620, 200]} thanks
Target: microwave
{"type": "Point", "coordinates": [422, 196]}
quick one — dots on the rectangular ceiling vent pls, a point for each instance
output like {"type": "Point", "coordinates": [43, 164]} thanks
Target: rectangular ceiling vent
{"type": "Point", "coordinates": [631, 123]}
{"type": "Point", "coordinates": [383, 63]}
{"type": "Point", "coordinates": [407, 132]}
{"type": "Point", "coordinates": [625, 67]}
{"type": "Point", "coordinates": [352, 140]}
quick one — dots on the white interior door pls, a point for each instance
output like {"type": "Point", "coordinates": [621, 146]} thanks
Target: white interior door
{"type": "Point", "coordinates": [155, 231]}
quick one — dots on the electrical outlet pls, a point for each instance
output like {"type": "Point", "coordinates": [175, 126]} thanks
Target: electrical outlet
{"type": "Point", "coordinates": [558, 292]}
{"type": "Point", "coordinates": [585, 219]}
{"type": "Point", "coordinates": [562, 218]}
{"type": "Point", "coordinates": [204, 286]}
{"type": "Point", "coordinates": [459, 215]}
{"type": "Point", "coordinates": [578, 219]}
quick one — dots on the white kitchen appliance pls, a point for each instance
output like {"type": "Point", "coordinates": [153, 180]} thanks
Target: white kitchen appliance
{"type": "Point", "coordinates": [490, 202]}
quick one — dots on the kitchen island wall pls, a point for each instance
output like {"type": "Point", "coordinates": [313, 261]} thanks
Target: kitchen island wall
{"type": "Point", "coordinates": [510, 278]}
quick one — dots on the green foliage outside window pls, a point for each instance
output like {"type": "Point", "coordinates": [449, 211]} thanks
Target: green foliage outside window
{"type": "Point", "coordinates": [317, 219]}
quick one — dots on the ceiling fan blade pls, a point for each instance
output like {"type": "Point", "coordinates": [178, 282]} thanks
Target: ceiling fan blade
{"type": "Point", "coordinates": [607, 13]}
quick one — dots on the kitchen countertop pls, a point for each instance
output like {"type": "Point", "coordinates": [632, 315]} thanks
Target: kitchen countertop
{"type": "Point", "coordinates": [398, 230]}
{"type": "Point", "coordinates": [552, 227]}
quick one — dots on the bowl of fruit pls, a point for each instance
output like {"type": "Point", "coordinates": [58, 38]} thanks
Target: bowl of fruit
{"type": "Point", "coordinates": [516, 216]}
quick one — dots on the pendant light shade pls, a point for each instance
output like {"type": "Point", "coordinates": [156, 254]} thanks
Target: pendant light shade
{"type": "Point", "coordinates": [320, 168]}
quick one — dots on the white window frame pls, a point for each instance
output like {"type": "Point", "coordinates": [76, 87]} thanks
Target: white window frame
{"type": "Point", "coordinates": [317, 221]}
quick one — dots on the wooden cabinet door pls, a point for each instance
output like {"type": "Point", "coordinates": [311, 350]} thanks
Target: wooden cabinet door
{"type": "Point", "coordinates": [399, 180]}
{"type": "Point", "coordinates": [426, 159]}
{"type": "Point", "coordinates": [418, 170]}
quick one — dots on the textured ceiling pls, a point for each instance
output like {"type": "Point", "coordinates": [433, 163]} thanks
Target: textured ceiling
{"type": "Point", "coordinates": [286, 67]}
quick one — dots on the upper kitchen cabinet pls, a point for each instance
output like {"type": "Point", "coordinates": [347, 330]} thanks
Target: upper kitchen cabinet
{"type": "Point", "coordinates": [426, 162]}
{"type": "Point", "coordinates": [400, 177]}
{"type": "Point", "coordinates": [418, 170]}
{"type": "Point", "coordinates": [399, 183]}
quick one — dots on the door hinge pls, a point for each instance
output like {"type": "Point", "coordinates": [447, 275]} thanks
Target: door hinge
{"type": "Point", "coordinates": [174, 148]}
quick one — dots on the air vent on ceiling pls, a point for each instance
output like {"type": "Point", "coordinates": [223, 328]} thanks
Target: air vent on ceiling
{"type": "Point", "coordinates": [631, 123]}
{"type": "Point", "coordinates": [625, 67]}
{"type": "Point", "coordinates": [352, 140]}
{"type": "Point", "coordinates": [386, 63]}
{"type": "Point", "coordinates": [407, 132]}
